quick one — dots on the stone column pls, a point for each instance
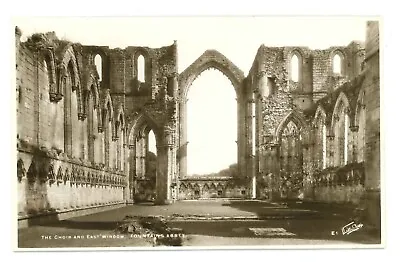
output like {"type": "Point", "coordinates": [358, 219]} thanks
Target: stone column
{"type": "Point", "coordinates": [101, 146]}
{"type": "Point", "coordinates": [115, 152]}
{"type": "Point", "coordinates": [330, 150]}
{"type": "Point", "coordinates": [131, 171]}
{"type": "Point", "coordinates": [137, 158]}
{"type": "Point", "coordinates": [143, 152]}
{"type": "Point", "coordinates": [241, 140]}
{"type": "Point", "coordinates": [165, 154]}
{"type": "Point", "coordinates": [372, 128]}
{"type": "Point", "coordinates": [125, 162]}
{"type": "Point", "coordinates": [353, 139]}
{"type": "Point", "coordinates": [183, 138]}
{"type": "Point", "coordinates": [274, 169]}
{"type": "Point", "coordinates": [249, 136]}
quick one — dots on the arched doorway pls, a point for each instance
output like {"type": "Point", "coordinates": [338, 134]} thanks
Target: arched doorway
{"type": "Point", "coordinates": [146, 167]}
{"type": "Point", "coordinates": [143, 161]}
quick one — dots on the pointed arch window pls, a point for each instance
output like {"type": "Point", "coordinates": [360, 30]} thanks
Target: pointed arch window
{"type": "Point", "coordinates": [99, 66]}
{"type": "Point", "coordinates": [141, 69]}
{"type": "Point", "coordinates": [337, 64]}
{"type": "Point", "coordinates": [290, 149]}
{"type": "Point", "coordinates": [342, 136]}
{"type": "Point", "coordinates": [295, 67]}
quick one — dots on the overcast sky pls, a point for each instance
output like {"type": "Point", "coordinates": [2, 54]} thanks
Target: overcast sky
{"type": "Point", "coordinates": [238, 38]}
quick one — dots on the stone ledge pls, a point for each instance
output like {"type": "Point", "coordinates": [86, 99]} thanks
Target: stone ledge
{"type": "Point", "coordinates": [41, 219]}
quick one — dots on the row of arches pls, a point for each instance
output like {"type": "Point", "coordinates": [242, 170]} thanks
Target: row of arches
{"type": "Point", "coordinates": [44, 172]}
{"type": "Point", "coordinates": [335, 141]}
{"type": "Point", "coordinates": [83, 125]}
{"type": "Point", "coordinates": [337, 62]}
{"type": "Point", "coordinates": [343, 135]}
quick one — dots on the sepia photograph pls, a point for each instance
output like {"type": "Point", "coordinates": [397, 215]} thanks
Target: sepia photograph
{"type": "Point", "coordinates": [177, 133]}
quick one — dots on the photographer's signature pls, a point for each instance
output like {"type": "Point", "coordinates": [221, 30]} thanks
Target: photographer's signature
{"type": "Point", "coordinates": [349, 228]}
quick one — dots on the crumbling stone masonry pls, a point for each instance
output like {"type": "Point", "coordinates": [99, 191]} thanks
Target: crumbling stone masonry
{"type": "Point", "coordinates": [83, 131]}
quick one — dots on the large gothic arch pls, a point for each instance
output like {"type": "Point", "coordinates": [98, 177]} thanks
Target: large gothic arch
{"type": "Point", "coordinates": [210, 59]}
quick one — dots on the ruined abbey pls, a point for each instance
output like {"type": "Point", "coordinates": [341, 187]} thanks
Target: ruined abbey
{"type": "Point", "coordinates": [308, 125]}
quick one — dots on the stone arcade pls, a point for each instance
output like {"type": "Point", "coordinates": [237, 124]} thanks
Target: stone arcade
{"type": "Point", "coordinates": [82, 135]}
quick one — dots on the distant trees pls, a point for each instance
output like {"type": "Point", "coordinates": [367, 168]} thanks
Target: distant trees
{"type": "Point", "coordinates": [231, 171]}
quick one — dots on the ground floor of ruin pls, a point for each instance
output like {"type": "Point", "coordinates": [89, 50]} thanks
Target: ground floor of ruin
{"type": "Point", "coordinates": [221, 222]}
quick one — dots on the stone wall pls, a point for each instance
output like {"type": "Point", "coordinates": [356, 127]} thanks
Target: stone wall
{"type": "Point", "coordinates": [284, 101]}
{"type": "Point", "coordinates": [212, 188]}
{"type": "Point", "coordinates": [75, 126]}
{"type": "Point", "coordinates": [372, 132]}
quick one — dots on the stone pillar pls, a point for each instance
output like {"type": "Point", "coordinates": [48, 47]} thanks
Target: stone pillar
{"type": "Point", "coordinates": [241, 139]}
{"type": "Point", "coordinates": [249, 140]}
{"type": "Point", "coordinates": [353, 140]}
{"type": "Point", "coordinates": [125, 162]}
{"type": "Point", "coordinates": [101, 145]}
{"type": "Point", "coordinates": [137, 158]}
{"type": "Point", "coordinates": [372, 197]}
{"type": "Point", "coordinates": [330, 149]}
{"type": "Point", "coordinates": [131, 172]}
{"type": "Point", "coordinates": [183, 138]}
{"type": "Point", "coordinates": [115, 152]}
{"type": "Point", "coordinates": [143, 152]}
{"type": "Point", "coordinates": [165, 154]}
{"type": "Point", "coordinates": [274, 169]}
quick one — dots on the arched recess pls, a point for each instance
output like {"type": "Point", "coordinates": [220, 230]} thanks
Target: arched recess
{"type": "Point", "coordinates": [107, 121]}
{"type": "Point", "coordinates": [338, 63]}
{"type": "Point", "coordinates": [320, 139]}
{"type": "Point", "coordinates": [99, 65]}
{"type": "Point", "coordinates": [298, 120]}
{"type": "Point", "coordinates": [360, 123]}
{"type": "Point", "coordinates": [71, 114]}
{"type": "Point", "coordinates": [291, 134]}
{"type": "Point", "coordinates": [69, 86]}
{"type": "Point", "coordinates": [50, 113]}
{"type": "Point", "coordinates": [290, 159]}
{"type": "Point", "coordinates": [209, 59]}
{"type": "Point", "coordinates": [67, 63]}
{"type": "Point", "coordinates": [340, 129]}
{"type": "Point", "coordinates": [51, 74]}
{"type": "Point", "coordinates": [93, 116]}
{"type": "Point", "coordinates": [139, 128]}
{"type": "Point", "coordinates": [120, 136]}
